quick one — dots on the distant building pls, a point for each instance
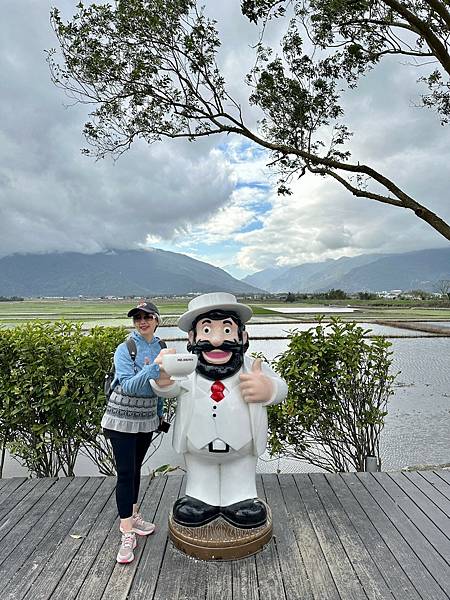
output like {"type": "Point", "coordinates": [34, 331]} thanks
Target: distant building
{"type": "Point", "coordinates": [389, 295]}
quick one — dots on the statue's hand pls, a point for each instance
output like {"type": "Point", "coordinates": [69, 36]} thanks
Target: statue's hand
{"type": "Point", "coordinates": [255, 386]}
{"type": "Point", "coordinates": [164, 378]}
{"type": "Point", "coordinates": [158, 359]}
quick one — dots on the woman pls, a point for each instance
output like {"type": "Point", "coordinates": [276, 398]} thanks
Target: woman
{"type": "Point", "coordinates": [131, 418]}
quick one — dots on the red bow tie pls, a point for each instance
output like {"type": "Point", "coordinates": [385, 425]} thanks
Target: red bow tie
{"type": "Point", "coordinates": [217, 391]}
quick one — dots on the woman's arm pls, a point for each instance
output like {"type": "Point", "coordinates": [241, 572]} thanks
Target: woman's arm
{"type": "Point", "coordinates": [132, 383]}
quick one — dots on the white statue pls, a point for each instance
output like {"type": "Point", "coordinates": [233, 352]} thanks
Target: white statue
{"type": "Point", "coordinates": [221, 420]}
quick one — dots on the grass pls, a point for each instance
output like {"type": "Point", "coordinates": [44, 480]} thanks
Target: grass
{"type": "Point", "coordinates": [98, 311]}
{"type": "Point", "coordinates": [78, 308]}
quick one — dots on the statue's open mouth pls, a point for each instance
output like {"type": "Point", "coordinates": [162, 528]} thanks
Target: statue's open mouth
{"type": "Point", "coordinates": [217, 357]}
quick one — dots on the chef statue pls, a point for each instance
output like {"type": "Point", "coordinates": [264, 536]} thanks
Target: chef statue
{"type": "Point", "coordinates": [221, 429]}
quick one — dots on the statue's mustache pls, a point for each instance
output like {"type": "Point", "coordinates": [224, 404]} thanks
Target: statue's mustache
{"type": "Point", "coordinates": [206, 346]}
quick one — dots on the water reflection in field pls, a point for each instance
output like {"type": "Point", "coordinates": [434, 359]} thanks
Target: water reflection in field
{"type": "Point", "coordinates": [418, 422]}
{"type": "Point", "coordinates": [440, 324]}
{"type": "Point", "coordinates": [417, 425]}
{"type": "Point", "coordinates": [283, 330]}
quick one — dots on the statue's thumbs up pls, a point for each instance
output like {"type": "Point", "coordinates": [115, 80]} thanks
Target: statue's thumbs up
{"type": "Point", "coordinates": [255, 386]}
{"type": "Point", "coordinates": [256, 366]}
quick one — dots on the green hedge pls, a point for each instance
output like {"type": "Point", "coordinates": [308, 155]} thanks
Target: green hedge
{"type": "Point", "coordinates": [339, 383]}
{"type": "Point", "coordinates": [51, 394]}
{"type": "Point", "coordinates": [52, 401]}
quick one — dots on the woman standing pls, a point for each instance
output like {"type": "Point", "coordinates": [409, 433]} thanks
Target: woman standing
{"type": "Point", "coordinates": [131, 418]}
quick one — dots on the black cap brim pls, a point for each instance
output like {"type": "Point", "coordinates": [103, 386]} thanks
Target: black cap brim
{"type": "Point", "coordinates": [136, 310]}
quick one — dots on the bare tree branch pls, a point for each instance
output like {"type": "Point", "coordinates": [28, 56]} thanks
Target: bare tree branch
{"type": "Point", "coordinates": [423, 28]}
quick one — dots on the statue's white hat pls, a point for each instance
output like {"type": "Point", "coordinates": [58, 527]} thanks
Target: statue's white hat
{"type": "Point", "coordinates": [213, 301]}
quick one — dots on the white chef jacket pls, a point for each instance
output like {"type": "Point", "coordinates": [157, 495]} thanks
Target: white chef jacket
{"type": "Point", "coordinates": [239, 421]}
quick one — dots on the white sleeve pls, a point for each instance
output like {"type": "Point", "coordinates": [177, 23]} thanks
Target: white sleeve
{"type": "Point", "coordinates": [168, 391]}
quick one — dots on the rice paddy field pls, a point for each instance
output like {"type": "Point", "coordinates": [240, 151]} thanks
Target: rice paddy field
{"type": "Point", "coordinates": [113, 312]}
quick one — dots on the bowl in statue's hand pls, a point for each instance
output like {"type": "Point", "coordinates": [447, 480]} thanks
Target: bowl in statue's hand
{"type": "Point", "coordinates": [179, 366]}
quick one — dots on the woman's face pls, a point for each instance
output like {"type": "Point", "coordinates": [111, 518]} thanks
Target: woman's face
{"type": "Point", "coordinates": [145, 323]}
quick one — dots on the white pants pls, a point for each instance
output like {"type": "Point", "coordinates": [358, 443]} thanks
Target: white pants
{"type": "Point", "coordinates": [221, 478]}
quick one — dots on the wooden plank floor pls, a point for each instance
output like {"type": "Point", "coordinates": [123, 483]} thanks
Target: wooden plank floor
{"type": "Point", "coordinates": [351, 536]}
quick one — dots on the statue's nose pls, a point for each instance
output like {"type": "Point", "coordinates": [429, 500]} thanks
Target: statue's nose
{"type": "Point", "coordinates": [216, 339]}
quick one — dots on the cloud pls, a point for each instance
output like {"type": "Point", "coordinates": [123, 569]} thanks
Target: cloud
{"type": "Point", "coordinates": [214, 239]}
{"type": "Point", "coordinates": [54, 199]}
{"type": "Point", "coordinates": [215, 198]}
{"type": "Point", "coordinates": [77, 204]}
{"type": "Point", "coordinates": [321, 220]}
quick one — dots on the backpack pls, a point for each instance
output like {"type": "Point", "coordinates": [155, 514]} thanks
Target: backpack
{"type": "Point", "coordinates": [110, 377]}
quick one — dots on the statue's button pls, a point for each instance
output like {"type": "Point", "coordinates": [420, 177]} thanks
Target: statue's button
{"type": "Point", "coordinates": [214, 415]}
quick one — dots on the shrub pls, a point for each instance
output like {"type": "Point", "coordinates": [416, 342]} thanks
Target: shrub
{"type": "Point", "coordinates": [338, 388]}
{"type": "Point", "coordinates": [6, 358]}
{"type": "Point", "coordinates": [51, 393]}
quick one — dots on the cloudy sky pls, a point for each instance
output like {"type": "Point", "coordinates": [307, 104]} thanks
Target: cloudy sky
{"type": "Point", "coordinates": [213, 199]}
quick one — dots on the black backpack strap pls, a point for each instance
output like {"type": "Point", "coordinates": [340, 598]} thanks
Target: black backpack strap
{"type": "Point", "coordinates": [132, 349]}
{"type": "Point", "coordinates": [163, 344]}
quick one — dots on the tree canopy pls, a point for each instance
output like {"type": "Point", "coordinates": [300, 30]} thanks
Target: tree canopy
{"type": "Point", "coordinates": [149, 69]}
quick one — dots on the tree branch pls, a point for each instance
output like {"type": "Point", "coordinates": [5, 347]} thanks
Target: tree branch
{"type": "Point", "coordinates": [183, 93]}
{"type": "Point", "coordinates": [356, 191]}
{"type": "Point", "coordinates": [405, 200]}
{"type": "Point", "coordinates": [441, 10]}
{"type": "Point", "coordinates": [432, 40]}
{"type": "Point", "coordinates": [383, 23]}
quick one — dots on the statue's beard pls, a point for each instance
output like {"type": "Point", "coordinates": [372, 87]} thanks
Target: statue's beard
{"type": "Point", "coordinates": [214, 371]}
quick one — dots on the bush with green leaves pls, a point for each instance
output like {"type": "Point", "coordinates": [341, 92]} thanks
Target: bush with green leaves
{"type": "Point", "coordinates": [6, 357]}
{"type": "Point", "coordinates": [51, 394]}
{"type": "Point", "coordinates": [339, 383]}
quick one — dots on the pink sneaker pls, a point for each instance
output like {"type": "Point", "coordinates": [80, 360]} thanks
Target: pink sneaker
{"type": "Point", "coordinates": [128, 544]}
{"type": "Point", "coordinates": [140, 526]}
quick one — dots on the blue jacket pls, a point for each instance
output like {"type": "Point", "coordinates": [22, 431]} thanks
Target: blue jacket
{"type": "Point", "coordinates": [132, 383]}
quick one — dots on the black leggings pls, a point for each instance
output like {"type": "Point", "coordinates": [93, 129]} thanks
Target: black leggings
{"type": "Point", "coordinates": [129, 453]}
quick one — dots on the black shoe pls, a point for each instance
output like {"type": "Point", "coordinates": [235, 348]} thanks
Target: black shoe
{"type": "Point", "coordinates": [191, 512]}
{"type": "Point", "coordinates": [245, 514]}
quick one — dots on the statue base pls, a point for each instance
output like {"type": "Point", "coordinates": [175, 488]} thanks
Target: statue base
{"type": "Point", "coordinates": [219, 540]}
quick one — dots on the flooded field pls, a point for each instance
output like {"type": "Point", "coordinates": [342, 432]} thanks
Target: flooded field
{"type": "Point", "coordinates": [314, 310]}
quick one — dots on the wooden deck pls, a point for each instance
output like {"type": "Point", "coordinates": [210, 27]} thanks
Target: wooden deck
{"type": "Point", "coordinates": [336, 537]}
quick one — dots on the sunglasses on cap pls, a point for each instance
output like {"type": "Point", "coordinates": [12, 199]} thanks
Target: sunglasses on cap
{"type": "Point", "coordinates": [145, 316]}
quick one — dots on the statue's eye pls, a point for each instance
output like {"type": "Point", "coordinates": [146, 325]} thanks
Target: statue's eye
{"type": "Point", "coordinates": [227, 330]}
{"type": "Point", "coordinates": [206, 329]}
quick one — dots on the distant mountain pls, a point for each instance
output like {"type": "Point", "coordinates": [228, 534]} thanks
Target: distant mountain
{"type": "Point", "coordinates": [235, 270]}
{"type": "Point", "coordinates": [113, 273]}
{"type": "Point", "coordinates": [367, 272]}
{"type": "Point", "coordinates": [264, 279]}
{"type": "Point", "coordinates": [328, 273]}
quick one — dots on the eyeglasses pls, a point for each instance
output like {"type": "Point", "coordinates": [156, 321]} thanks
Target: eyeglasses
{"type": "Point", "coordinates": [146, 317]}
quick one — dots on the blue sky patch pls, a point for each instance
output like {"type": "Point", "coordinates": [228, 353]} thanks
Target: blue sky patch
{"type": "Point", "coordinates": [252, 226]}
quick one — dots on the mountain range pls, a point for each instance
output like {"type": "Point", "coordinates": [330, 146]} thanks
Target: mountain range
{"type": "Point", "coordinates": [113, 273]}
{"type": "Point", "coordinates": [421, 269]}
{"type": "Point", "coordinates": [159, 272]}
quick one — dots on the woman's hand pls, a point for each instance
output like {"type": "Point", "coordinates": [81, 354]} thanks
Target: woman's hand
{"type": "Point", "coordinates": [164, 378]}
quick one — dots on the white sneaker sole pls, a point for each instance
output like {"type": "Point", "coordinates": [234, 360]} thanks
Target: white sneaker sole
{"type": "Point", "coordinates": [125, 561]}
{"type": "Point", "coordinates": [141, 531]}
{"type": "Point", "coordinates": [144, 532]}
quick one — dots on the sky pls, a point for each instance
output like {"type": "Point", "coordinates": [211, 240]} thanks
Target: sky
{"type": "Point", "coordinates": [213, 199]}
